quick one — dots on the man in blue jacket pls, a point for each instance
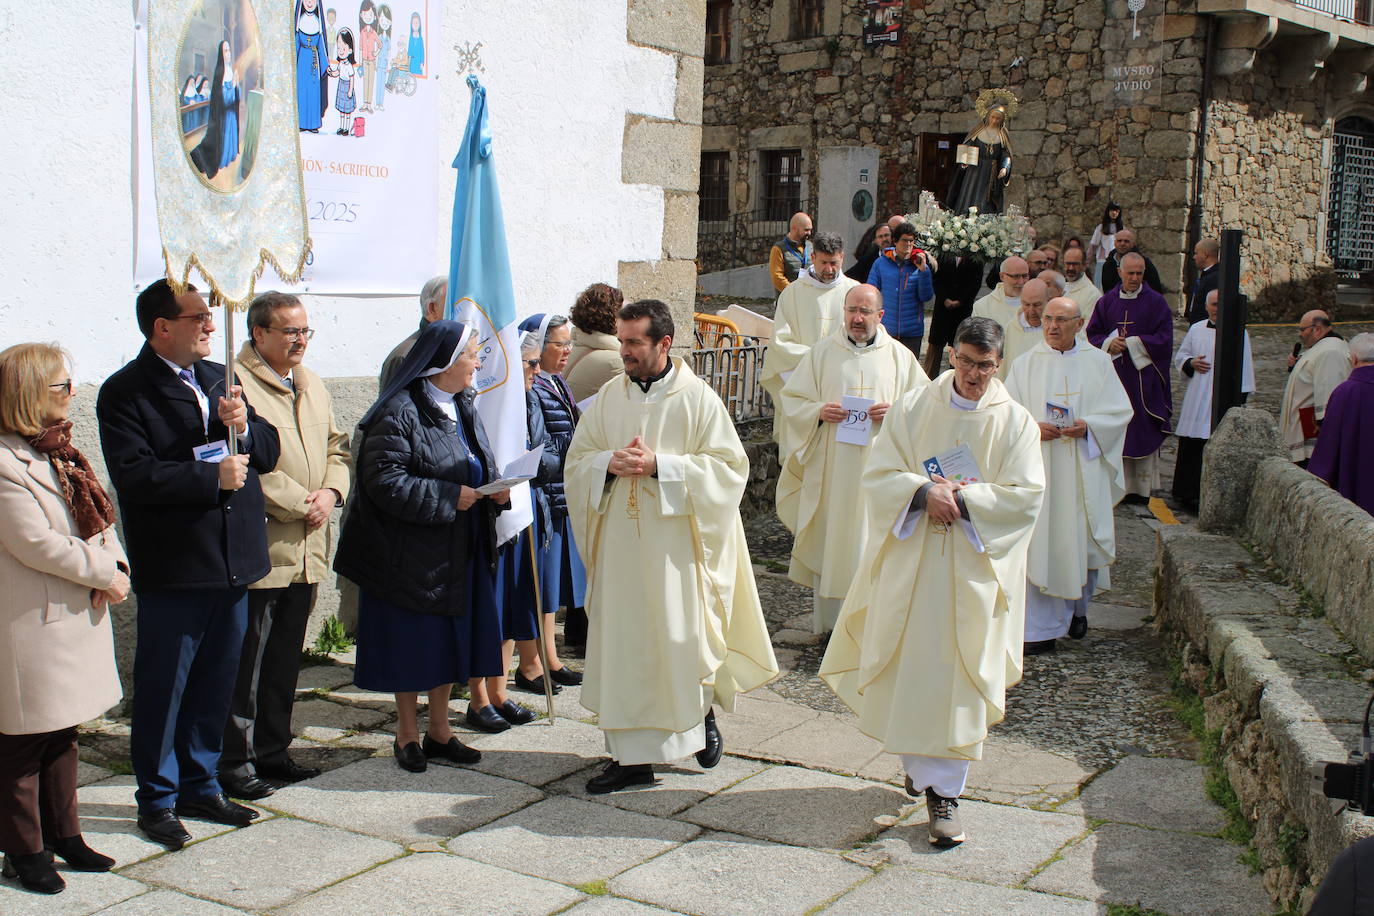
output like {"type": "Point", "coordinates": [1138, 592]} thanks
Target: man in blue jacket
{"type": "Point", "coordinates": [194, 523]}
{"type": "Point", "coordinates": [903, 276]}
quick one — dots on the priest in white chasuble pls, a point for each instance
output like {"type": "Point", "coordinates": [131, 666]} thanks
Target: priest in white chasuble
{"type": "Point", "coordinates": [1072, 390]}
{"type": "Point", "coordinates": [807, 311]}
{"type": "Point", "coordinates": [1024, 332]}
{"type": "Point", "coordinates": [1078, 287]}
{"type": "Point", "coordinates": [929, 637]}
{"type": "Point", "coordinates": [654, 477]}
{"type": "Point", "coordinates": [825, 443]}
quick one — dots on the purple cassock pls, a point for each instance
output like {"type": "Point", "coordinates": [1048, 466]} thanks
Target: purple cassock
{"type": "Point", "coordinates": [1147, 316]}
{"type": "Point", "coordinates": [1344, 456]}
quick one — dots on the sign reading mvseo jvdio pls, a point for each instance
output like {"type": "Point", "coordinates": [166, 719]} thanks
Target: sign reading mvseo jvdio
{"type": "Point", "coordinates": [1132, 52]}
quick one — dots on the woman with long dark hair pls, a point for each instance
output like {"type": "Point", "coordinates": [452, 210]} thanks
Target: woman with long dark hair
{"type": "Point", "coordinates": [220, 145]}
{"type": "Point", "coordinates": [875, 238]}
{"type": "Point", "coordinates": [1104, 237]}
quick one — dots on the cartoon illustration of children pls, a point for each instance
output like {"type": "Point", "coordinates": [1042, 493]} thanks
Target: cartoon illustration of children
{"type": "Point", "coordinates": [383, 54]}
{"type": "Point", "coordinates": [312, 88]}
{"type": "Point", "coordinates": [416, 47]}
{"type": "Point", "coordinates": [330, 19]}
{"type": "Point", "coordinates": [345, 68]}
{"type": "Point", "coordinates": [220, 145]}
{"type": "Point", "coordinates": [367, 49]}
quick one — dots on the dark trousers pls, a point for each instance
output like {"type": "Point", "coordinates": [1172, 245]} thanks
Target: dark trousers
{"type": "Point", "coordinates": [943, 323]}
{"type": "Point", "coordinates": [37, 790]}
{"type": "Point", "coordinates": [184, 668]}
{"type": "Point", "coordinates": [259, 726]}
{"type": "Point", "coordinates": [913, 344]}
{"type": "Point", "coordinates": [1188, 471]}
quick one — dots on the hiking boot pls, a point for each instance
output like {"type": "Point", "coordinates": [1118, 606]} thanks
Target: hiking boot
{"type": "Point", "coordinates": [945, 829]}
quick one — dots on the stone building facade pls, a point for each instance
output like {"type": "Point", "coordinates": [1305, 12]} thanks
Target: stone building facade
{"type": "Point", "coordinates": [1115, 104]}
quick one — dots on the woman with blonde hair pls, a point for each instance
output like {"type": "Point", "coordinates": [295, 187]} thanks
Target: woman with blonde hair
{"type": "Point", "coordinates": [62, 568]}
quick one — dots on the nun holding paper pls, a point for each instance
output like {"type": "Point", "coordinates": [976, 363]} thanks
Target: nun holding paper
{"type": "Point", "coordinates": [420, 542]}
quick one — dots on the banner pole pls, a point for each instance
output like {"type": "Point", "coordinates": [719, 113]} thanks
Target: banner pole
{"type": "Point", "coordinates": [539, 626]}
{"type": "Point", "coordinates": [217, 299]}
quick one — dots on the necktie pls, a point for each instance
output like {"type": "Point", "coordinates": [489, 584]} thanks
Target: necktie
{"type": "Point", "coordinates": [187, 377]}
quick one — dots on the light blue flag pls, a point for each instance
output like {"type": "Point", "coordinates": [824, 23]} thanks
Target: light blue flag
{"type": "Point", "coordinates": [480, 293]}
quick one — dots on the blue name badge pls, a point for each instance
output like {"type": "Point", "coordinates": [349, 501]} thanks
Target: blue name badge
{"type": "Point", "coordinates": [213, 452]}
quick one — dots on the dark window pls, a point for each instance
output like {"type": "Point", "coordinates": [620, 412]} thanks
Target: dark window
{"type": "Point", "coordinates": [808, 18]}
{"type": "Point", "coordinates": [782, 178]}
{"type": "Point", "coordinates": [718, 31]}
{"type": "Point", "coordinates": [715, 187]}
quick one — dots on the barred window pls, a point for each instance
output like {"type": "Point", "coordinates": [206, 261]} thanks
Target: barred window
{"type": "Point", "coordinates": [715, 187]}
{"type": "Point", "coordinates": [782, 180]}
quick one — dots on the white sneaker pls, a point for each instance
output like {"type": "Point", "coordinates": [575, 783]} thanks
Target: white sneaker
{"type": "Point", "coordinates": [945, 829]}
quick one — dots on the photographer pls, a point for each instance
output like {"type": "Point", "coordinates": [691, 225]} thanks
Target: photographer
{"type": "Point", "coordinates": [904, 277]}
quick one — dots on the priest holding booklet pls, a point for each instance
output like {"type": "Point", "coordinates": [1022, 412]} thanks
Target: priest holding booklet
{"type": "Point", "coordinates": [929, 637]}
{"type": "Point", "coordinates": [830, 413]}
{"type": "Point", "coordinates": [1074, 392]}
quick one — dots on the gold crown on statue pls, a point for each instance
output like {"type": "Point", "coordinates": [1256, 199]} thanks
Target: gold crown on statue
{"type": "Point", "coordinates": [989, 99]}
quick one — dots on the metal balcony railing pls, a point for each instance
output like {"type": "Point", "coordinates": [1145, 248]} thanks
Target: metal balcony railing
{"type": "Point", "coordinates": [1355, 10]}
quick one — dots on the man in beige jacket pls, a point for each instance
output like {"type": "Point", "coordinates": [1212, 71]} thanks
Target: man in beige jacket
{"type": "Point", "coordinates": [310, 480]}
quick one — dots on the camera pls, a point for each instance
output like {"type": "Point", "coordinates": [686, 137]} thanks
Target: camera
{"type": "Point", "coordinates": [1352, 782]}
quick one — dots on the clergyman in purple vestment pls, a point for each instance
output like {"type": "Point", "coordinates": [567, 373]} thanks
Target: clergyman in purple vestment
{"type": "Point", "coordinates": [1344, 455]}
{"type": "Point", "coordinates": [1134, 325]}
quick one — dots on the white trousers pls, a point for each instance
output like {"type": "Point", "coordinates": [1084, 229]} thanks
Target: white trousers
{"type": "Point", "coordinates": [824, 613]}
{"type": "Point", "coordinates": [632, 746]}
{"type": "Point", "coordinates": [1048, 617]}
{"type": "Point", "coordinates": [943, 774]}
{"type": "Point", "coordinates": [1142, 475]}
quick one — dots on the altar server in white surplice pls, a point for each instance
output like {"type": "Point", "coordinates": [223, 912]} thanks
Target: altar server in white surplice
{"type": "Point", "coordinates": [808, 310]}
{"type": "Point", "coordinates": [1195, 360]}
{"type": "Point", "coordinates": [929, 637]}
{"type": "Point", "coordinates": [1073, 392]}
{"type": "Point", "coordinates": [654, 478]}
{"type": "Point", "coordinates": [823, 450]}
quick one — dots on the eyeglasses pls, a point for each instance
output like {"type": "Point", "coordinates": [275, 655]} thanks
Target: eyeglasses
{"type": "Point", "coordinates": [867, 313]}
{"type": "Point", "coordinates": [294, 333]}
{"type": "Point", "coordinates": [205, 318]}
{"type": "Point", "coordinates": [564, 345]}
{"type": "Point", "coordinates": [1055, 319]}
{"type": "Point", "coordinates": [532, 364]}
{"type": "Point", "coordinates": [64, 387]}
{"type": "Point", "coordinates": [986, 368]}
{"type": "Point", "coordinates": [1017, 276]}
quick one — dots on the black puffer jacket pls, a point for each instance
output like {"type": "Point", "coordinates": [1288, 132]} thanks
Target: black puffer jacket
{"type": "Point", "coordinates": [560, 419]}
{"type": "Point", "coordinates": [404, 538]}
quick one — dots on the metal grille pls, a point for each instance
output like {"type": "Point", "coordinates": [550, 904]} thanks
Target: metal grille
{"type": "Point", "coordinates": [733, 373]}
{"type": "Point", "coordinates": [1350, 206]}
{"type": "Point", "coordinates": [1341, 9]}
{"type": "Point", "coordinates": [782, 178]}
{"type": "Point", "coordinates": [714, 200]}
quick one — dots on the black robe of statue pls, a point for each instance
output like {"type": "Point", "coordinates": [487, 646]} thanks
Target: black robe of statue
{"type": "Point", "coordinates": [978, 185]}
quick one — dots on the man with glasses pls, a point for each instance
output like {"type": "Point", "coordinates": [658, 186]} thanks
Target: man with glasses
{"type": "Point", "coordinates": [929, 637]}
{"type": "Point", "coordinates": [1077, 400]}
{"type": "Point", "coordinates": [310, 481]}
{"type": "Point", "coordinates": [826, 442]}
{"type": "Point", "coordinates": [1077, 286]}
{"type": "Point", "coordinates": [1312, 376]}
{"type": "Point", "coordinates": [1004, 302]}
{"type": "Point", "coordinates": [193, 524]}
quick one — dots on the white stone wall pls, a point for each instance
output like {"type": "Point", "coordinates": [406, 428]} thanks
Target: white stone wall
{"type": "Point", "coordinates": [563, 79]}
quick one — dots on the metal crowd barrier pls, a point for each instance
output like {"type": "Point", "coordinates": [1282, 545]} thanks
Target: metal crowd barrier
{"type": "Point", "coordinates": [733, 371]}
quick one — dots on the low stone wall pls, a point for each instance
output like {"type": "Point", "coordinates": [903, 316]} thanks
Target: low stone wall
{"type": "Point", "coordinates": [762, 452]}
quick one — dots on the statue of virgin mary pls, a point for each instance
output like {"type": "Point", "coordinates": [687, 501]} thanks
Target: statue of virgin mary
{"type": "Point", "coordinates": [984, 157]}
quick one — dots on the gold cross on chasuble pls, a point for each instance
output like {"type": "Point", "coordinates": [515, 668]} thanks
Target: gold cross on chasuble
{"type": "Point", "coordinates": [1124, 323]}
{"type": "Point", "coordinates": [855, 389]}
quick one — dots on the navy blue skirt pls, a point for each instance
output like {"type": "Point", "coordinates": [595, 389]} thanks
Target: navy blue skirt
{"type": "Point", "coordinates": [400, 651]}
{"type": "Point", "coordinates": [515, 588]}
{"type": "Point", "coordinates": [561, 574]}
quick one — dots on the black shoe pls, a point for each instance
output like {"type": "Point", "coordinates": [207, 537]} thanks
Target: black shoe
{"type": "Point", "coordinates": [514, 713]}
{"type": "Point", "coordinates": [1078, 627]}
{"type": "Point", "coordinates": [35, 872]}
{"type": "Point", "coordinates": [217, 808]}
{"type": "Point", "coordinates": [535, 685]}
{"type": "Point", "coordinates": [615, 776]}
{"type": "Point", "coordinates": [567, 677]}
{"type": "Point", "coordinates": [453, 750]}
{"type": "Point", "coordinates": [410, 757]}
{"type": "Point", "coordinates": [1042, 647]}
{"type": "Point", "coordinates": [78, 855]}
{"type": "Point", "coordinates": [249, 787]}
{"type": "Point", "coordinates": [709, 755]}
{"type": "Point", "coordinates": [286, 770]}
{"type": "Point", "coordinates": [486, 719]}
{"type": "Point", "coordinates": [163, 826]}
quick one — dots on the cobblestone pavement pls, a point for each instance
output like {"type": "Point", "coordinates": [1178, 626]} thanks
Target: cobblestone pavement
{"type": "Point", "coordinates": [1088, 796]}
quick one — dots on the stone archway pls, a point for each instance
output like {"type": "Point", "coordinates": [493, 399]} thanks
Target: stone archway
{"type": "Point", "coordinates": [1350, 196]}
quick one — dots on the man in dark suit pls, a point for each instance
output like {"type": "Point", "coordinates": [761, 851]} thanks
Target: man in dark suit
{"type": "Point", "coordinates": [1206, 254]}
{"type": "Point", "coordinates": [1111, 268]}
{"type": "Point", "coordinates": [958, 281]}
{"type": "Point", "coordinates": [194, 523]}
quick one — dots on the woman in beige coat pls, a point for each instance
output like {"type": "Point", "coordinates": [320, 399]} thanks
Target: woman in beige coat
{"type": "Point", "coordinates": [62, 568]}
{"type": "Point", "coordinates": [595, 357]}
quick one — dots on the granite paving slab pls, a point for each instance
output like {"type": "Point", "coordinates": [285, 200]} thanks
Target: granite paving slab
{"type": "Point", "coordinates": [721, 874]}
{"type": "Point", "coordinates": [1014, 769]}
{"type": "Point", "coordinates": [323, 677]}
{"type": "Point", "coordinates": [1116, 617]}
{"type": "Point", "coordinates": [434, 882]}
{"type": "Point", "coordinates": [678, 786]}
{"type": "Point", "coordinates": [321, 720]}
{"type": "Point", "coordinates": [829, 741]}
{"type": "Point", "coordinates": [572, 841]}
{"type": "Point", "coordinates": [539, 753]}
{"type": "Point", "coordinates": [616, 906]}
{"type": "Point", "coordinates": [1156, 792]}
{"type": "Point", "coordinates": [267, 865]}
{"type": "Point", "coordinates": [367, 699]}
{"type": "Point", "coordinates": [799, 806]}
{"type": "Point", "coordinates": [167, 903]}
{"type": "Point", "coordinates": [87, 773]}
{"type": "Point", "coordinates": [377, 797]}
{"type": "Point", "coordinates": [755, 720]}
{"type": "Point", "coordinates": [86, 892]}
{"type": "Point", "coordinates": [907, 891]}
{"type": "Point", "coordinates": [1174, 873]}
{"type": "Point", "coordinates": [1004, 845]}
{"type": "Point", "coordinates": [109, 822]}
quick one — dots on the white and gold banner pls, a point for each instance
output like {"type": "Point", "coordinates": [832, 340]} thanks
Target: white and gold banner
{"type": "Point", "coordinates": [225, 152]}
